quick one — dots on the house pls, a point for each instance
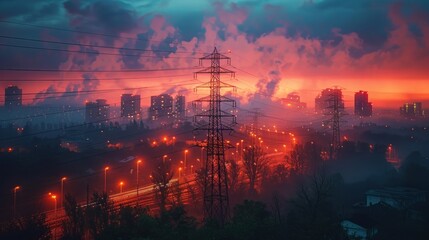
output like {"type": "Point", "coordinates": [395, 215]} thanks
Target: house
{"type": "Point", "coordinates": [361, 227]}
{"type": "Point", "coordinates": [398, 198]}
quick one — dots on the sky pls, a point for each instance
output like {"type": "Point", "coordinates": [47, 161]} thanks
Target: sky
{"type": "Point", "coordinates": [106, 48]}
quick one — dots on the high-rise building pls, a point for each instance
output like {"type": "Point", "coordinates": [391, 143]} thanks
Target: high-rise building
{"type": "Point", "coordinates": [130, 106]}
{"type": "Point", "coordinates": [97, 112]}
{"type": "Point", "coordinates": [363, 108]}
{"type": "Point", "coordinates": [412, 110]}
{"type": "Point", "coordinates": [12, 97]}
{"type": "Point", "coordinates": [180, 107]}
{"type": "Point", "coordinates": [324, 101]}
{"type": "Point", "coordinates": [293, 101]}
{"type": "Point", "coordinates": [161, 107]}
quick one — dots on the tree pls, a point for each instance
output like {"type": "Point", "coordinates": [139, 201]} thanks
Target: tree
{"type": "Point", "coordinates": [255, 163]}
{"type": "Point", "coordinates": [313, 215]}
{"type": "Point", "coordinates": [201, 179]}
{"type": "Point", "coordinates": [33, 227]}
{"type": "Point", "coordinates": [100, 214]}
{"type": "Point", "coordinates": [73, 226]}
{"type": "Point", "coordinates": [279, 174]}
{"type": "Point", "coordinates": [296, 161]}
{"type": "Point", "coordinates": [233, 176]}
{"type": "Point", "coordinates": [304, 158]}
{"type": "Point", "coordinates": [161, 177]}
{"type": "Point", "coordinates": [251, 220]}
{"type": "Point", "coordinates": [414, 171]}
{"type": "Point", "coordinates": [176, 194]}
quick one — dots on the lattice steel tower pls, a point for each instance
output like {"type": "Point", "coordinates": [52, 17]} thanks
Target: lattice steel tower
{"type": "Point", "coordinates": [335, 111]}
{"type": "Point", "coordinates": [216, 202]}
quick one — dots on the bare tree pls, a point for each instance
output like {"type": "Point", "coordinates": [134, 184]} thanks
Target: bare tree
{"type": "Point", "coordinates": [201, 179]}
{"type": "Point", "coordinates": [304, 158]}
{"type": "Point", "coordinates": [100, 214]}
{"type": "Point", "coordinates": [313, 213]}
{"type": "Point", "coordinates": [233, 176]}
{"type": "Point", "coordinates": [74, 224]}
{"type": "Point", "coordinates": [176, 194]}
{"type": "Point", "coordinates": [296, 160]}
{"type": "Point", "coordinates": [161, 177]}
{"type": "Point", "coordinates": [255, 163]}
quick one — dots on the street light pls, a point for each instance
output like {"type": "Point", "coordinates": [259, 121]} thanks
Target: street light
{"type": "Point", "coordinates": [62, 190]}
{"type": "Point", "coordinates": [138, 162]}
{"type": "Point", "coordinates": [241, 151]}
{"type": "Point", "coordinates": [185, 167]}
{"type": "Point", "coordinates": [14, 200]}
{"type": "Point", "coordinates": [237, 145]}
{"type": "Point", "coordinates": [202, 157]}
{"type": "Point", "coordinates": [180, 170]}
{"type": "Point", "coordinates": [120, 186]}
{"type": "Point", "coordinates": [55, 212]}
{"type": "Point", "coordinates": [163, 158]}
{"type": "Point", "coordinates": [105, 178]}
{"type": "Point", "coordinates": [55, 208]}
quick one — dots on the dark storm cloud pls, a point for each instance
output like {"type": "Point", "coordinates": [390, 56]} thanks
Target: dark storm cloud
{"type": "Point", "coordinates": [111, 17]}
{"type": "Point", "coordinates": [9, 9]}
{"type": "Point", "coordinates": [48, 10]}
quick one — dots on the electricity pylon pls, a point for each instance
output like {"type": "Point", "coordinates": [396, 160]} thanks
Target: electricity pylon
{"type": "Point", "coordinates": [216, 201]}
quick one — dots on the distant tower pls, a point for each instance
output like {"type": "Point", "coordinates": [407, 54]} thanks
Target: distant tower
{"type": "Point", "coordinates": [97, 112]}
{"type": "Point", "coordinates": [323, 100]}
{"type": "Point", "coordinates": [12, 97]}
{"type": "Point", "coordinates": [216, 201]}
{"type": "Point", "coordinates": [412, 110]}
{"type": "Point", "coordinates": [130, 106]}
{"type": "Point", "coordinates": [180, 107]}
{"type": "Point", "coordinates": [363, 108]}
{"type": "Point", "coordinates": [161, 108]}
{"type": "Point", "coordinates": [335, 108]}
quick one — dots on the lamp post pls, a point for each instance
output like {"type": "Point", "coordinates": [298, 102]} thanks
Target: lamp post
{"type": "Point", "coordinates": [55, 213]}
{"type": "Point", "coordinates": [241, 151]}
{"type": "Point", "coordinates": [185, 167]}
{"type": "Point", "coordinates": [237, 145]}
{"type": "Point", "coordinates": [180, 172]}
{"type": "Point", "coordinates": [120, 186]}
{"type": "Point", "coordinates": [55, 206]}
{"type": "Point", "coordinates": [163, 158]}
{"type": "Point", "coordinates": [62, 190]}
{"type": "Point", "coordinates": [137, 179]}
{"type": "Point", "coordinates": [202, 157]}
{"type": "Point", "coordinates": [105, 179]}
{"type": "Point", "coordinates": [14, 200]}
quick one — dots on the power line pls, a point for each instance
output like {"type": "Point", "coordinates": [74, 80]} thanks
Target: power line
{"type": "Point", "coordinates": [61, 79]}
{"type": "Point", "coordinates": [87, 52]}
{"type": "Point", "coordinates": [77, 94]}
{"type": "Point", "coordinates": [75, 31]}
{"type": "Point", "coordinates": [90, 45]}
{"type": "Point", "coordinates": [80, 71]}
{"type": "Point", "coordinates": [93, 91]}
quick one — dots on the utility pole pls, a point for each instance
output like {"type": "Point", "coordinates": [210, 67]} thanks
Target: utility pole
{"type": "Point", "coordinates": [216, 201]}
